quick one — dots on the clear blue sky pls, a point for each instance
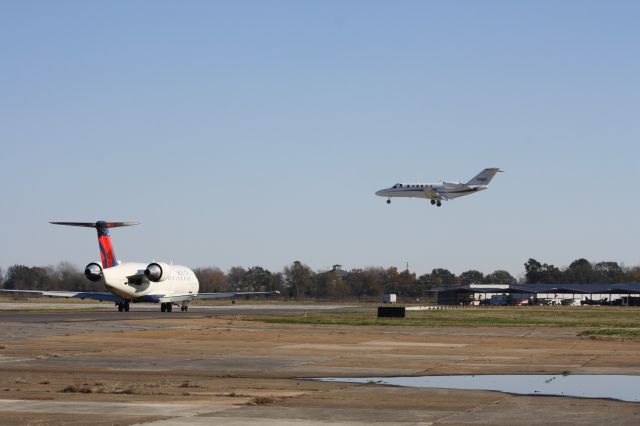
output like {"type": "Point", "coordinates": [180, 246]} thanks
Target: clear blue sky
{"type": "Point", "coordinates": [256, 132]}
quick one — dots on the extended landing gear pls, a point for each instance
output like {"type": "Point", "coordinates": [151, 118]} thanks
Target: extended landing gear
{"type": "Point", "coordinates": [433, 202]}
{"type": "Point", "coordinates": [166, 307]}
{"type": "Point", "coordinates": [388, 200]}
{"type": "Point", "coordinates": [123, 306]}
{"type": "Point", "coordinates": [184, 308]}
{"type": "Point", "coordinates": [438, 203]}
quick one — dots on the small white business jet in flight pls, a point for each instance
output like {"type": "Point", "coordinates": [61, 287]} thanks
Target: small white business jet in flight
{"type": "Point", "coordinates": [154, 282]}
{"type": "Point", "coordinates": [439, 191]}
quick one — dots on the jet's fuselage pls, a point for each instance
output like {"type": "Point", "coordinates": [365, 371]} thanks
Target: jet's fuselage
{"type": "Point", "coordinates": [430, 190]}
{"type": "Point", "coordinates": [127, 280]}
{"type": "Point", "coordinates": [436, 192]}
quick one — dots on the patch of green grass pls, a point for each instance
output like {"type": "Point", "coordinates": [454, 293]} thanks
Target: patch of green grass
{"type": "Point", "coordinates": [615, 317]}
{"type": "Point", "coordinates": [615, 333]}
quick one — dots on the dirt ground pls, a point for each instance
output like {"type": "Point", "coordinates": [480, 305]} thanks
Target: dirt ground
{"type": "Point", "coordinates": [211, 370]}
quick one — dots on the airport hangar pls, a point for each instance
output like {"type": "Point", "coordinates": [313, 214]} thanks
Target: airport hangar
{"type": "Point", "coordinates": [566, 294]}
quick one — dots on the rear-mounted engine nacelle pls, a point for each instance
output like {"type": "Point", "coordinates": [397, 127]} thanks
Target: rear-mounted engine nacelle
{"type": "Point", "coordinates": [93, 272]}
{"type": "Point", "coordinates": [452, 185]}
{"type": "Point", "coordinates": [157, 272]}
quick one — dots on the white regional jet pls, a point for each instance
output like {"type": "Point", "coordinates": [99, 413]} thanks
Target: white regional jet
{"type": "Point", "coordinates": [439, 191]}
{"type": "Point", "coordinates": [155, 282]}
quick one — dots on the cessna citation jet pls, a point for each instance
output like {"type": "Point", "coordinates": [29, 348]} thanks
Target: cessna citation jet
{"type": "Point", "coordinates": [155, 282]}
{"type": "Point", "coordinates": [439, 191]}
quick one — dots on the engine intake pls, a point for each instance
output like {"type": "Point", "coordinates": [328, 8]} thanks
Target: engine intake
{"type": "Point", "coordinates": [93, 272]}
{"type": "Point", "coordinates": [157, 272]}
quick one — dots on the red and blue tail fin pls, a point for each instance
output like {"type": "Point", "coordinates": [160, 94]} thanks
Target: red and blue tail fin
{"type": "Point", "coordinates": [107, 254]}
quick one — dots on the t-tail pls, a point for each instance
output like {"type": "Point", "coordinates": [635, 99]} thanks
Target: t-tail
{"type": "Point", "coordinates": [107, 254]}
{"type": "Point", "coordinates": [484, 177]}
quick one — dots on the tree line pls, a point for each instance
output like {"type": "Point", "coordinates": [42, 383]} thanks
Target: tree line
{"type": "Point", "coordinates": [298, 281]}
{"type": "Point", "coordinates": [580, 271]}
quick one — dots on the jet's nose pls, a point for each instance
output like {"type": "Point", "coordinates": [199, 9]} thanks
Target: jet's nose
{"type": "Point", "coordinates": [380, 193]}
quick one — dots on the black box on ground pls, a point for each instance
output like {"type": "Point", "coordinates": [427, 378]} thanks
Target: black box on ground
{"type": "Point", "coordinates": [391, 312]}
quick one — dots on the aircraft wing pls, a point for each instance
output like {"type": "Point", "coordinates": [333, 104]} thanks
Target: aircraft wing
{"type": "Point", "coordinates": [94, 295]}
{"type": "Point", "coordinates": [224, 295]}
{"type": "Point", "coordinates": [434, 195]}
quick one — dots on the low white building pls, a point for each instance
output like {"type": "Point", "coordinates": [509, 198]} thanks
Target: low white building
{"type": "Point", "coordinates": [389, 298]}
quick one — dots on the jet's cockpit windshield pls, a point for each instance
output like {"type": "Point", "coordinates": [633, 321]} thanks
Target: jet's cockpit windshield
{"type": "Point", "coordinates": [397, 185]}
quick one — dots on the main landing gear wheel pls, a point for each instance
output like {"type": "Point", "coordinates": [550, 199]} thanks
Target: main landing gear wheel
{"type": "Point", "coordinates": [439, 203]}
{"type": "Point", "coordinates": [389, 201]}
{"type": "Point", "coordinates": [433, 202]}
{"type": "Point", "coordinates": [120, 307]}
{"type": "Point", "coordinates": [165, 307]}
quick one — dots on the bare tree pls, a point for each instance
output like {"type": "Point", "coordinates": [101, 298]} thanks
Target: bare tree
{"type": "Point", "coordinates": [297, 279]}
{"type": "Point", "coordinates": [212, 280]}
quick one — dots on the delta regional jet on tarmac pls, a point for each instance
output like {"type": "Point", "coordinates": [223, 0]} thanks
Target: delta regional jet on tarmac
{"type": "Point", "coordinates": [439, 191]}
{"type": "Point", "coordinates": [155, 282]}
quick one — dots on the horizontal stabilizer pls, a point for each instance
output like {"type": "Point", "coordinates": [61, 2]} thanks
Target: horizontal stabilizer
{"type": "Point", "coordinates": [99, 224]}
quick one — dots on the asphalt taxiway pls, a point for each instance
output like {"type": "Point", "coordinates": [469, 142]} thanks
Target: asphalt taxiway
{"type": "Point", "coordinates": [61, 312]}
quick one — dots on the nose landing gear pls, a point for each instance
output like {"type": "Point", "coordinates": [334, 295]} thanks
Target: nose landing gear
{"type": "Point", "coordinates": [388, 200]}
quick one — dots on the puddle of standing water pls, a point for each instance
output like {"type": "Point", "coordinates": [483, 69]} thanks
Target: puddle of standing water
{"type": "Point", "coordinates": [621, 387]}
